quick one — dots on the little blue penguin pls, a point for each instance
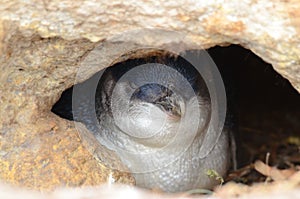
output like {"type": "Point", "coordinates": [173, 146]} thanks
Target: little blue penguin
{"type": "Point", "coordinates": [156, 124]}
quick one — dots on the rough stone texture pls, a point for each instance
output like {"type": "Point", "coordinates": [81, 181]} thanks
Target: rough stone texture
{"type": "Point", "coordinates": [37, 148]}
{"type": "Point", "coordinates": [269, 28]}
{"type": "Point", "coordinates": [42, 44]}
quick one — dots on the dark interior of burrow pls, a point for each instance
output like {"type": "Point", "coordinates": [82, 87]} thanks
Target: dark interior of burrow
{"type": "Point", "coordinates": [266, 110]}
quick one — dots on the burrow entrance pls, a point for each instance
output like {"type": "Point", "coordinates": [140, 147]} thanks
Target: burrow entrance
{"type": "Point", "coordinates": [264, 107]}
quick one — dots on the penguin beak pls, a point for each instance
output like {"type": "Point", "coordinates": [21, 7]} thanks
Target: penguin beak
{"type": "Point", "coordinates": [175, 114]}
{"type": "Point", "coordinates": [173, 110]}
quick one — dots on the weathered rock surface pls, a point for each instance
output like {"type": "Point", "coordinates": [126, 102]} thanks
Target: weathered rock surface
{"type": "Point", "coordinates": [38, 149]}
{"type": "Point", "coordinates": [42, 44]}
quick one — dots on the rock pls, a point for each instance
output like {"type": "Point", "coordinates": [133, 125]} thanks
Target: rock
{"type": "Point", "coordinates": [43, 45]}
{"type": "Point", "coordinates": [38, 149]}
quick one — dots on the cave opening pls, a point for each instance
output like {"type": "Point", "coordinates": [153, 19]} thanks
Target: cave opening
{"type": "Point", "coordinates": [265, 109]}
